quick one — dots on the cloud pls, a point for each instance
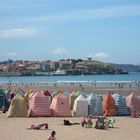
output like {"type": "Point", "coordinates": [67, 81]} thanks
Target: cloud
{"type": "Point", "coordinates": [11, 53]}
{"type": "Point", "coordinates": [106, 12]}
{"type": "Point", "coordinates": [58, 51]}
{"type": "Point", "coordinates": [5, 53]}
{"type": "Point", "coordinates": [18, 33]}
{"type": "Point", "coordinates": [99, 55]}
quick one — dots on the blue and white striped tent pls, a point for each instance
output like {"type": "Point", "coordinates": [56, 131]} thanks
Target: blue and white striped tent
{"type": "Point", "coordinates": [95, 105]}
{"type": "Point", "coordinates": [120, 103]}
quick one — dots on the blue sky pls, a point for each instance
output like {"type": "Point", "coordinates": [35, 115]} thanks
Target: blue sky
{"type": "Point", "coordinates": [106, 30]}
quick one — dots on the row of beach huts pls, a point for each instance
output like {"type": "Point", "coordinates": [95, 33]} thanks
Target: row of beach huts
{"type": "Point", "coordinates": [44, 104]}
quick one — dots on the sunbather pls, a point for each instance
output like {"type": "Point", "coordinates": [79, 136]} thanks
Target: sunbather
{"type": "Point", "coordinates": [37, 127]}
{"type": "Point", "coordinates": [67, 122]}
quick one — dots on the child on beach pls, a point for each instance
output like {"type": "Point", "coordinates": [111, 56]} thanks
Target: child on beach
{"type": "Point", "coordinates": [52, 137]}
{"type": "Point", "coordinates": [83, 121]}
{"type": "Point", "coordinates": [134, 114]}
{"type": "Point", "coordinates": [86, 121]}
{"type": "Point", "coordinates": [89, 122]}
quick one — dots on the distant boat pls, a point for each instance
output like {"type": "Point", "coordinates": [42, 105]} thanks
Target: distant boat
{"type": "Point", "coordinates": [60, 72]}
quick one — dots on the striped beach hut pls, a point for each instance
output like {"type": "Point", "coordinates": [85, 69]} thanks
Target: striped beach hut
{"type": "Point", "coordinates": [72, 97]}
{"type": "Point", "coordinates": [4, 104]}
{"type": "Point", "coordinates": [60, 106]}
{"type": "Point", "coordinates": [94, 105]}
{"type": "Point", "coordinates": [121, 108]}
{"type": "Point", "coordinates": [109, 106]}
{"type": "Point", "coordinates": [18, 107]}
{"type": "Point", "coordinates": [80, 107]}
{"type": "Point", "coordinates": [39, 104]}
{"type": "Point", "coordinates": [133, 103]}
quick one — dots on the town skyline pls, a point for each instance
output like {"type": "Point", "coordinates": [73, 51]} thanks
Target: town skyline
{"type": "Point", "coordinates": [104, 30]}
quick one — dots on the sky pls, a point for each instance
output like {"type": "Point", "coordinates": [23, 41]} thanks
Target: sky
{"type": "Point", "coordinates": [105, 30]}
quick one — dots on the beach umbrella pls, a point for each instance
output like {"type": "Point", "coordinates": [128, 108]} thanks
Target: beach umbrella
{"type": "Point", "coordinates": [120, 103]}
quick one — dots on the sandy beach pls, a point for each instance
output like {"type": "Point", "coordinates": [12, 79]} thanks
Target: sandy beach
{"type": "Point", "coordinates": [103, 90]}
{"type": "Point", "coordinates": [126, 128]}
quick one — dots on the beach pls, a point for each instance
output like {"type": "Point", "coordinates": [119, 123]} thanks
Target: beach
{"type": "Point", "coordinates": [101, 89]}
{"type": "Point", "coordinates": [126, 128]}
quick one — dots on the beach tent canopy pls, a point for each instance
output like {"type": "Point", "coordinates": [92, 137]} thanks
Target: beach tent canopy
{"type": "Point", "coordinates": [60, 105]}
{"type": "Point", "coordinates": [80, 107]}
{"type": "Point", "coordinates": [94, 105]}
{"type": "Point", "coordinates": [21, 91]}
{"type": "Point", "coordinates": [39, 104]}
{"type": "Point", "coordinates": [55, 92]}
{"type": "Point", "coordinates": [66, 93]}
{"type": "Point", "coordinates": [18, 107]}
{"type": "Point", "coordinates": [72, 97]}
{"type": "Point", "coordinates": [82, 93]}
{"type": "Point", "coordinates": [27, 93]}
{"type": "Point", "coordinates": [109, 106]}
{"type": "Point", "coordinates": [133, 103]}
{"type": "Point", "coordinates": [121, 108]}
{"type": "Point", "coordinates": [8, 93]}
{"type": "Point", "coordinates": [3, 100]}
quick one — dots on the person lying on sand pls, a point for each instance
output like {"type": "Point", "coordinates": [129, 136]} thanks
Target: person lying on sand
{"type": "Point", "coordinates": [67, 122]}
{"type": "Point", "coordinates": [37, 127]}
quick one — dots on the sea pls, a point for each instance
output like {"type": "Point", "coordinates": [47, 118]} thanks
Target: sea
{"type": "Point", "coordinates": [122, 78]}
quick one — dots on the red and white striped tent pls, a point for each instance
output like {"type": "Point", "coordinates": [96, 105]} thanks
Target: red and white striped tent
{"type": "Point", "coordinates": [60, 105]}
{"type": "Point", "coordinates": [39, 104]}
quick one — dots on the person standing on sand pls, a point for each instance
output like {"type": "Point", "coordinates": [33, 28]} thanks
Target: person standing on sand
{"type": "Point", "coordinates": [52, 137]}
